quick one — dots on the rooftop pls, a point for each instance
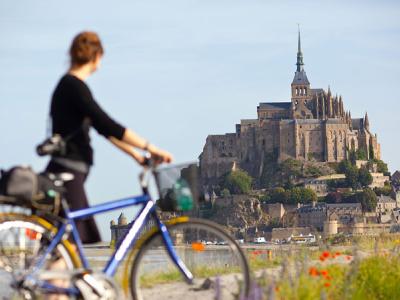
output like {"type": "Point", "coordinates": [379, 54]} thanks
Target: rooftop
{"type": "Point", "coordinates": [275, 105]}
{"type": "Point", "coordinates": [300, 78]}
{"type": "Point", "coordinates": [385, 199]}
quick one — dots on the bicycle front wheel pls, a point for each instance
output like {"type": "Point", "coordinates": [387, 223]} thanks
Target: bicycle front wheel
{"type": "Point", "coordinates": [218, 264]}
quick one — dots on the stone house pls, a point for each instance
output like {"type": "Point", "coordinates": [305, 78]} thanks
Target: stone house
{"type": "Point", "coordinates": [378, 180]}
{"type": "Point", "coordinates": [312, 215]}
{"type": "Point", "coordinates": [384, 209]}
{"type": "Point", "coordinates": [280, 234]}
{"type": "Point", "coordinates": [316, 214]}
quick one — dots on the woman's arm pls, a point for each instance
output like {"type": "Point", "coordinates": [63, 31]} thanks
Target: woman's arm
{"type": "Point", "coordinates": [133, 139]}
{"type": "Point", "coordinates": [128, 149]}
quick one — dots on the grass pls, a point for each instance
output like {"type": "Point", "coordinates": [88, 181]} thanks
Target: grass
{"type": "Point", "coordinates": [341, 269]}
{"type": "Point", "coordinates": [376, 277]}
{"type": "Point", "coordinates": [150, 279]}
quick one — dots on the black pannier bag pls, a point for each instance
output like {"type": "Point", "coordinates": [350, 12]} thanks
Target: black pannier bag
{"type": "Point", "coordinates": [21, 186]}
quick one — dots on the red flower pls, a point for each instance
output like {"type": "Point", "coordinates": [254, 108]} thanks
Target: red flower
{"type": "Point", "coordinates": [327, 284]}
{"type": "Point", "coordinates": [324, 273]}
{"type": "Point", "coordinates": [338, 253]}
{"type": "Point", "coordinates": [325, 254]}
{"type": "Point", "coordinates": [321, 258]}
{"type": "Point", "coordinates": [313, 271]}
{"type": "Point", "coordinates": [348, 257]}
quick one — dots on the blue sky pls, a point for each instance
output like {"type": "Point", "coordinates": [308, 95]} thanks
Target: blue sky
{"type": "Point", "coordinates": [176, 71]}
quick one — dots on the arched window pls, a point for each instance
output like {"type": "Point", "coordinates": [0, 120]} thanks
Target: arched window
{"type": "Point", "coordinates": [305, 91]}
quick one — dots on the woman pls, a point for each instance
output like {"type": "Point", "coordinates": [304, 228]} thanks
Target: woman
{"type": "Point", "coordinates": [73, 112]}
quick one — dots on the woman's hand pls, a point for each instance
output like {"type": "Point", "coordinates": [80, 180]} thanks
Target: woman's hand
{"type": "Point", "coordinates": [159, 155]}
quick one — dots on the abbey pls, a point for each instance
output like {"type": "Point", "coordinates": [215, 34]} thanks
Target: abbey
{"type": "Point", "coordinates": [314, 125]}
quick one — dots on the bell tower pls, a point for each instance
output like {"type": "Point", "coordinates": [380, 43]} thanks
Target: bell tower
{"type": "Point", "coordinates": [301, 92]}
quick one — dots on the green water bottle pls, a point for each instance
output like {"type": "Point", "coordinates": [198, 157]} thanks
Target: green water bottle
{"type": "Point", "coordinates": [184, 198]}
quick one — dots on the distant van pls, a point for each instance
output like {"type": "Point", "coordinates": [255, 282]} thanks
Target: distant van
{"type": "Point", "coordinates": [260, 240]}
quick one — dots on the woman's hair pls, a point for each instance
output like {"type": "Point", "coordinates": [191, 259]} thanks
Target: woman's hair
{"type": "Point", "coordinates": [84, 48]}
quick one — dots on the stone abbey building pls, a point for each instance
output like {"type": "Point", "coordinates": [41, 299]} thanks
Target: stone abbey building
{"type": "Point", "coordinates": [314, 125]}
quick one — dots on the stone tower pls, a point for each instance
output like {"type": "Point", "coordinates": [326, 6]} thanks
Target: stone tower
{"type": "Point", "coordinates": [301, 92]}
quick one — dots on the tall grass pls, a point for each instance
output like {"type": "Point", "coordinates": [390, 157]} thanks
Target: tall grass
{"type": "Point", "coordinates": [351, 269]}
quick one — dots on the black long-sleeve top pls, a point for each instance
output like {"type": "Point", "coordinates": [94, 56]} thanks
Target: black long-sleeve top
{"type": "Point", "coordinates": [73, 111]}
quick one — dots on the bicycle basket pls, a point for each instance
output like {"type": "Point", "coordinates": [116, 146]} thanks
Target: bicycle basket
{"type": "Point", "coordinates": [177, 187]}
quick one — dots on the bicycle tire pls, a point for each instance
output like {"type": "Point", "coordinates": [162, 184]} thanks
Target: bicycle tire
{"type": "Point", "coordinates": [221, 270]}
{"type": "Point", "coordinates": [23, 239]}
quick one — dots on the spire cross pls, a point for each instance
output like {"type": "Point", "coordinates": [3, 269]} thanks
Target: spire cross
{"type": "Point", "coordinates": [299, 42]}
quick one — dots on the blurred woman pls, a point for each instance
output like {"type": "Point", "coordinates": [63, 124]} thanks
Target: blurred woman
{"type": "Point", "coordinates": [73, 112]}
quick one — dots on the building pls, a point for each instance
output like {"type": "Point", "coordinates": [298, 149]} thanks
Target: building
{"type": "Point", "coordinates": [315, 215]}
{"type": "Point", "coordinates": [378, 180]}
{"type": "Point", "coordinates": [314, 125]}
{"type": "Point", "coordinates": [384, 209]}
{"type": "Point", "coordinates": [312, 215]}
{"type": "Point", "coordinates": [119, 230]}
{"type": "Point", "coordinates": [283, 234]}
{"type": "Point", "coordinates": [395, 178]}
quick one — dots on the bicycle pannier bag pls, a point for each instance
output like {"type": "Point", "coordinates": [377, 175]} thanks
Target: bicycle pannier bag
{"type": "Point", "coordinates": [19, 182]}
{"type": "Point", "coordinates": [23, 187]}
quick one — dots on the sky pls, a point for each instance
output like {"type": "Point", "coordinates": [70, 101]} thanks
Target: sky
{"type": "Point", "coordinates": [177, 71]}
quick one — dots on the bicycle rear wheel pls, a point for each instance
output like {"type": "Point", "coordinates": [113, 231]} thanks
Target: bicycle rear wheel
{"type": "Point", "coordinates": [23, 239]}
{"type": "Point", "coordinates": [218, 264]}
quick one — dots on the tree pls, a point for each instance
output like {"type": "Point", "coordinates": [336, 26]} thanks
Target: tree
{"type": "Point", "coordinates": [279, 195]}
{"type": "Point", "coordinates": [361, 154]}
{"type": "Point", "coordinates": [352, 157]}
{"type": "Point", "coordinates": [364, 177]}
{"type": "Point", "coordinates": [352, 177]}
{"type": "Point", "coordinates": [385, 191]}
{"type": "Point", "coordinates": [308, 195]}
{"type": "Point", "coordinates": [343, 166]}
{"type": "Point", "coordinates": [239, 182]}
{"type": "Point", "coordinates": [289, 170]}
{"type": "Point", "coordinates": [381, 166]}
{"type": "Point", "coordinates": [312, 171]}
{"type": "Point", "coordinates": [333, 197]}
{"type": "Point", "coordinates": [295, 195]}
{"type": "Point", "coordinates": [371, 152]}
{"type": "Point", "coordinates": [368, 200]}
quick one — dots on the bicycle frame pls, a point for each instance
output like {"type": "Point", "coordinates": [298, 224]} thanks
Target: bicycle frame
{"type": "Point", "coordinates": [148, 209]}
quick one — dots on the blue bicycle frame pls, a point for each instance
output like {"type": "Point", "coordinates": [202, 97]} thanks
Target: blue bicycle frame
{"type": "Point", "coordinates": [147, 209]}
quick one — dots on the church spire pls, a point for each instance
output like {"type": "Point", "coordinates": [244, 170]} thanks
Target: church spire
{"type": "Point", "coordinates": [366, 121]}
{"type": "Point", "coordinates": [299, 63]}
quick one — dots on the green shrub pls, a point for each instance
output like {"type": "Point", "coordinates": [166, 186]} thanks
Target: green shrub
{"type": "Point", "coordinates": [239, 182]}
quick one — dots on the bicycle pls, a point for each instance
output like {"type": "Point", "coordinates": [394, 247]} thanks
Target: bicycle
{"type": "Point", "coordinates": [193, 256]}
